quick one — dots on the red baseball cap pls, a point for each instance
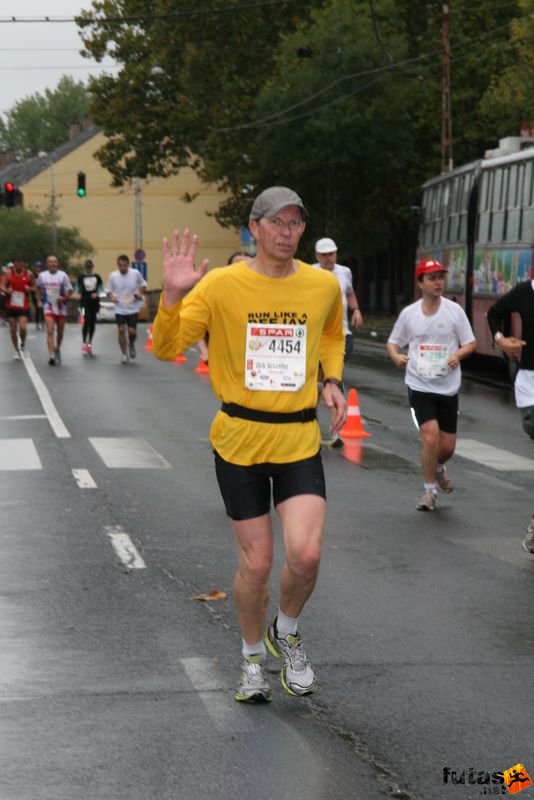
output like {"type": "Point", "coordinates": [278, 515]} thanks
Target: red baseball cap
{"type": "Point", "coordinates": [428, 265]}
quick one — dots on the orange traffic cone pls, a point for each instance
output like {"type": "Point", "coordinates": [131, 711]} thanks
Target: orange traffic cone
{"type": "Point", "coordinates": [181, 359]}
{"type": "Point", "coordinates": [148, 345]}
{"type": "Point", "coordinates": [353, 428]}
{"type": "Point", "coordinates": [202, 368]}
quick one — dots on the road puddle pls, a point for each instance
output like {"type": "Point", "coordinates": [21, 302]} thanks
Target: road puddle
{"type": "Point", "coordinates": [369, 456]}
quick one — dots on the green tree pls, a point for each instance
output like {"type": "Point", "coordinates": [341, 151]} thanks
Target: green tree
{"type": "Point", "coordinates": [509, 101]}
{"type": "Point", "coordinates": [184, 73]}
{"type": "Point", "coordinates": [333, 121]}
{"type": "Point", "coordinates": [29, 234]}
{"type": "Point", "coordinates": [41, 122]}
{"type": "Point", "coordinates": [340, 100]}
{"type": "Point", "coordinates": [194, 83]}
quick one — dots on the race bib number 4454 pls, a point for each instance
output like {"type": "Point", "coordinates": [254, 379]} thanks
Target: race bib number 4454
{"type": "Point", "coordinates": [275, 357]}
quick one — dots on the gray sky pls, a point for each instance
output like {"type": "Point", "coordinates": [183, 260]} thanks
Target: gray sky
{"type": "Point", "coordinates": [34, 55]}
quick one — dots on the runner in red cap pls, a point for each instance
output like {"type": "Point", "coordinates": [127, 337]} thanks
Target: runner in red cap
{"type": "Point", "coordinates": [438, 336]}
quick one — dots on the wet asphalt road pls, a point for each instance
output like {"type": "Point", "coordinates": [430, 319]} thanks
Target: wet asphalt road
{"type": "Point", "coordinates": [116, 685]}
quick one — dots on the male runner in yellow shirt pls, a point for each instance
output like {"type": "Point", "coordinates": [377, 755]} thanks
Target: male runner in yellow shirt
{"type": "Point", "coordinates": [270, 322]}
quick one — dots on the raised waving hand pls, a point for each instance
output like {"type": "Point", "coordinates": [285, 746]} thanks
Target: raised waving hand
{"type": "Point", "coordinates": [179, 271]}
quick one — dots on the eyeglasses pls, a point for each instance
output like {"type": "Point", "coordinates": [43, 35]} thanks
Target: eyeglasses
{"type": "Point", "coordinates": [292, 224]}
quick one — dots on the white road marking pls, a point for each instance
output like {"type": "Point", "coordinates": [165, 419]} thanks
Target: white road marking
{"type": "Point", "coordinates": [125, 548]}
{"type": "Point", "coordinates": [498, 482]}
{"type": "Point", "coordinates": [46, 401]}
{"type": "Point", "coordinates": [203, 674]}
{"type": "Point", "coordinates": [493, 457]}
{"type": "Point", "coordinates": [213, 692]}
{"type": "Point", "coordinates": [18, 454]}
{"type": "Point", "coordinates": [84, 479]}
{"type": "Point", "coordinates": [128, 453]}
{"type": "Point", "coordinates": [24, 416]}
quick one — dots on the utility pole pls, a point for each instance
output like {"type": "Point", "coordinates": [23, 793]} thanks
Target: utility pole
{"type": "Point", "coordinates": [446, 110]}
{"type": "Point", "coordinates": [53, 205]}
{"type": "Point", "coordinates": [138, 214]}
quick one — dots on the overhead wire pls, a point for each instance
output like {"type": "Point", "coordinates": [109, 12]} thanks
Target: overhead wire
{"type": "Point", "coordinates": [385, 70]}
{"type": "Point", "coordinates": [138, 17]}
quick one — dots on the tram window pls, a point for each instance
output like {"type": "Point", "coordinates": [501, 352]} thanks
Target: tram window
{"type": "Point", "coordinates": [462, 232]}
{"type": "Point", "coordinates": [466, 190]}
{"type": "Point", "coordinates": [528, 225]}
{"type": "Point", "coordinates": [456, 207]}
{"type": "Point", "coordinates": [497, 226]}
{"type": "Point", "coordinates": [527, 185]}
{"type": "Point", "coordinates": [442, 230]}
{"type": "Point", "coordinates": [445, 196]}
{"type": "Point", "coordinates": [513, 225]}
{"type": "Point", "coordinates": [484, 227]}
{"type": "Point", "coordinates": [512, 187]}
{"type": "Point", "coordinates": [485, 192]}
{"type": "Point", "coordinates": [497, 198]}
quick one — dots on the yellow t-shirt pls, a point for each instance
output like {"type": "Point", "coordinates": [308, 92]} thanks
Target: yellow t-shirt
{"type": "Point", "coordinates": [224, 303]}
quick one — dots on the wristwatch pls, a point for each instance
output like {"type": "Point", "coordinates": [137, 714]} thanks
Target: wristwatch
{"type": "Point", "coordinates": [498, 336]}
{"type": "Point", "coordinates": [339, 384]}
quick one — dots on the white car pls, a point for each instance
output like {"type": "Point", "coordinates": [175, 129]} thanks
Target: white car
{"type": "Point", "coordinates": [106, 312]}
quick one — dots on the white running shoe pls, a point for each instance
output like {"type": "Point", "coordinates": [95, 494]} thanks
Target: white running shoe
{"type": "Point", "coordinates": [444, 483]}
{"type": "Point", "coordinates": [296, 676]}
{"type": "Point", "coordinates": [427, 501]}
{"type": "Point", "coordinates": [253, 686]}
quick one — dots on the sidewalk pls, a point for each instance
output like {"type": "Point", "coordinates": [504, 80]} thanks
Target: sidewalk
{"type": "Point", "coordinates": [376, 327]}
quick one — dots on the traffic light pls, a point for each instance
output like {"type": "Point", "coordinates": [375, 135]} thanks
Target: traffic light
{"type": "Point", "coordinates": [81, 190]}
{"type": "Point", "coordinates": [9, 193]}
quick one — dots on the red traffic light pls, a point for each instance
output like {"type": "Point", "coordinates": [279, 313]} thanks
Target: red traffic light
{"type": "Point", "coordinates": [9, 190]}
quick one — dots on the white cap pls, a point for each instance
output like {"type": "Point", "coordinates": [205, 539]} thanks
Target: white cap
{"type": "Point", "coordinates": [325, 246]}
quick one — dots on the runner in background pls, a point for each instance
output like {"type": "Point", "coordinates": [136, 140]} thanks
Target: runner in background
{"type": "Point", "coordinates": [54, 289]}
{"type": "Point", "coordinates": [438, 335]}
{"type": "Point", "coordinates": [89, 285]}
{"type": "Point", "coordinates": [125, 288]}
{"type": "Point", "coordinates": [18, 283]}
{"type": "Point", "coordinates": [519, 300]}
{"type": "Point", "coordinates": [326, 255]}
{"type": "Point", "coordinates": [203, 343]}
{"type": "Point", "coordinates": [39, 316]}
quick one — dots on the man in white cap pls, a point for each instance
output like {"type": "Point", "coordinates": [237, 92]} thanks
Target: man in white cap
{"type": "Point", "coordinates": [326, 255]}
{"type": "Point", "coordinates": [270, 320]}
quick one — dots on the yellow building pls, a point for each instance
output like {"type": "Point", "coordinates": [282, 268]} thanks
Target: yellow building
{"type": "Point", "coordinates": [111, 218]}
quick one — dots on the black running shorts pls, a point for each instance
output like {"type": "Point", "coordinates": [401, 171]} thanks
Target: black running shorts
{"type": "Point", "coordinates": [427, 406]}
{"type": "Point", "coordinates": [15, 313]}
{"type": "Point", "coordinates": [127, 319]}
{"type": "Point", "coordinates": [246, 491]}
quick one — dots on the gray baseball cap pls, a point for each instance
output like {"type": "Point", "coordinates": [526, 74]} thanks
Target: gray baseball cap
{"type": "Point", "coordinates": [272, 200]}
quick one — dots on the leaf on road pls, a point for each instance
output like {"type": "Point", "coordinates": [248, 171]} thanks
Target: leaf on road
{"type": "Point", "coordinates": [215, 594]}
